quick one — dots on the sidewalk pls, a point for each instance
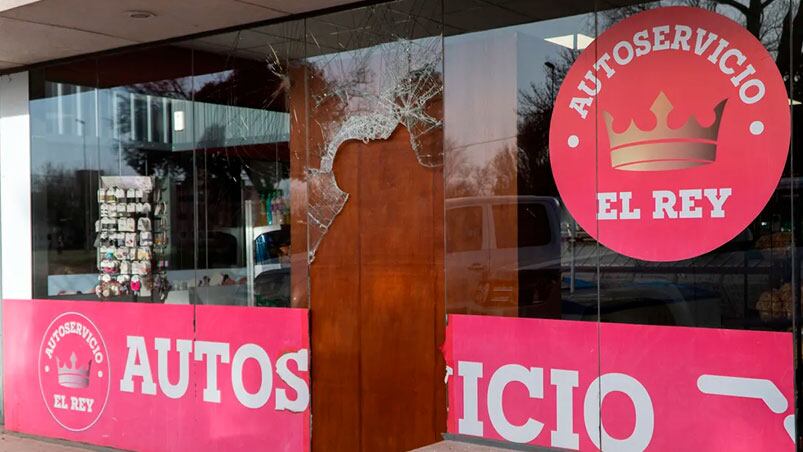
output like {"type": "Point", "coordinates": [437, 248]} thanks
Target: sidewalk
{"type": "Point", "coordinates": [16, 442]}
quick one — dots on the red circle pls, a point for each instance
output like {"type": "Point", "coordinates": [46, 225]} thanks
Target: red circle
{"type": "Point", "coordinates": [74, 371]}
{"type": "Point", "coordinates": [680, 151]}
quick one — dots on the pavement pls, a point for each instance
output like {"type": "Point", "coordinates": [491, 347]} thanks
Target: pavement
{"type": "Point", "coordinates": [454, 446]}
{"type": "Point", "coordinates": [16, 442]}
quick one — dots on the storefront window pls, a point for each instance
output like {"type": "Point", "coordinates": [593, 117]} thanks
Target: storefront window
{"type": "Point", "coordinates": [497, 153]}
{"type": "Point", "coordinates": [200, 140]}
{"type": "Point", "coordinates": [567, 178]}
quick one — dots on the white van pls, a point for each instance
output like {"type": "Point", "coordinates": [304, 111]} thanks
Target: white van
{"type": "Point", "coordinates": [500, 249]}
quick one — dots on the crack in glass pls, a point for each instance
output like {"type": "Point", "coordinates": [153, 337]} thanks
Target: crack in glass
{"type": "Point", "coordinates": [375, 90]}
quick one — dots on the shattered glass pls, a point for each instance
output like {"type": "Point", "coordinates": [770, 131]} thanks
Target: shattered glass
{"type": "Point", "coordinates": [386, 73]}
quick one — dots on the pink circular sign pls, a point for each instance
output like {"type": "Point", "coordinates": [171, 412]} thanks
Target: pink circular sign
{"type": "Point", "coordinates": [670, 133]}
{"type": "Point", "coordinates": [74, 371]}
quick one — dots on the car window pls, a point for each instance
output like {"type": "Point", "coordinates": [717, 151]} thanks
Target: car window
{"type": "Point", "coordinates": [533, 225]}
{"type": "Point", "coordinates": [464, 229]}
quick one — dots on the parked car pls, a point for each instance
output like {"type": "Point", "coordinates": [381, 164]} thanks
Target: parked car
{"type": "Point", "coordinates": [503, 255]}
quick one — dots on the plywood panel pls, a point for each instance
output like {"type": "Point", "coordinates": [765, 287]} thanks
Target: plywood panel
{"type": "Point", "coordinates": [399, 295]}
{"type": "Point", "coordinates": [335, 334]}
{"type": "Point", "coordinates": [376, 295]}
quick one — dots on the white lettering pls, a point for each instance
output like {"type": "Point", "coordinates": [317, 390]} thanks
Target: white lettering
{"type": "Point", "coordinates": [211, 351]}
{"type": "Point", "coordinates": [717, 200]}
{"type": "Point", "coordinates": [593, 79]}
{"type": "Point", "coordinates": [533, 380]}
{"type": "Point", "coordinates": [760, 90]}
{"type": "Point", "coordinates": [604, 209]}
{"type": "Point", "coordinates": [687, 207]}
{"type": "Point", "coordinates": [602, 62]}
{"type": "Point", "coordinates": [184, 347]}
{"type": "Point", "coordinates": [644, 426]}
{"type": "Point", "coordinates": [470, 424]}
{"type": "Point", "coordinates": [659, 38]}
{"type": "Point", "coordinates": [699, 45]}
{"type": "Point", "coordinates": [749, 70]}
{"type": "Point", "coordinates": [629, 53]}
{"type": "Point", "coordinates": [643, 45]}
{"type": "Point", "coordinates": [732, 53]}
{"type": "Point", "coordinates": [720, 47]}
{"type": "Point", "coordinates": [301, 401]}
{"type": "Point", "coordinates": [137, 365]}
{"type": "Point", "coordinates": [580, 105]}
{"type": "Point", "coordinates": [681, 40]}
{"type": "Point", "coordinates": [564, 435]}
{"type": "Point", "coordinates": [664, 204]}
{"type": "Point", "coordinates": [260, 397]}
{"type": "Point", "coordinates": [628, 214]}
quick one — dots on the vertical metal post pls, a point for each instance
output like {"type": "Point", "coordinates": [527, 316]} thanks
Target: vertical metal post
{"type": "Point", "coordinates": [249, 249]}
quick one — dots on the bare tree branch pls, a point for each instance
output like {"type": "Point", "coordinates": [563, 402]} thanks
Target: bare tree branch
{"type": "Point", "coordinates": [733, 3]}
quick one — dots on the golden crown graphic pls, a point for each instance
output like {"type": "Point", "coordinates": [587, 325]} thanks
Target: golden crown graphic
{"type": "Point", "coordinates": [73, 376]}
{"type": "Point", "coordinates": [664, 148]}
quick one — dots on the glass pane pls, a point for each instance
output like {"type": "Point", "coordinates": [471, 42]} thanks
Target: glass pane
{"type": "Point", "coordinates": [143, 142]}
{"type": "Point", "coordinates": [504, 64]}
{"type": "Point", "coordinates": [113, 205]}
{"type": "Point", "coordinates": [246, 219]}
{"type": "Point", "coordinates": [372, 112]}
{"type": "Point", "coordinates": [64, 164]}
{"type": "Point", "coordinates": [467, 224]}
{"type": "Point", "coordinates": [538, 262]}
{"type": "Point", "coordinates": [680, 260]}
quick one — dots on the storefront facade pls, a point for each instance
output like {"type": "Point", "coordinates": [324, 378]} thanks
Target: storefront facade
{"type": "Point", "coordinates": [568, 226]}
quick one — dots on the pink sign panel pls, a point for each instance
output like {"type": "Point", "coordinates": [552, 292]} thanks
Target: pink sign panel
{"type": "Point", "coordinates": [158, 377]}
{"type": "Point", "coordinates": [541, 382]}
{"type": "Point", "coordinates": [655, 129]}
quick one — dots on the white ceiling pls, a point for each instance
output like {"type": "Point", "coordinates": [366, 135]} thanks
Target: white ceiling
{"type": "Point", "coordinates": [33, 31]}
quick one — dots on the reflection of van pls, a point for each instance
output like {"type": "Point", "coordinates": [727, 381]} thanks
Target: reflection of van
{"type": "Point", "coordinates": [500, 249]}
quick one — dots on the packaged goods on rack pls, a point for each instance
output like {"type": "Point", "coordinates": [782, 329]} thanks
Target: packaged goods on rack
{"type": "Point", "coordinates": [776, 304]}
{"type": "Point", "coordinates": [125, 238]}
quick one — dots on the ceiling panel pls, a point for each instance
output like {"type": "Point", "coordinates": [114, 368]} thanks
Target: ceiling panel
{"type": "Point", "coordinates": [245, 39]}
{"type": "Point", "coordinates": [295, 6]}
{"type": "Point", "coordinates": [50, 29]}
{"type": "Point", "coordinates": [172, 18]}
{"type": "Point", "coordinates": [24, 42]}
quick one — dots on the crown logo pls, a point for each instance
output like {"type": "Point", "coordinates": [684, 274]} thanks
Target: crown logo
{"type": "Point", "coordinates": [664, 148]}
{"type": "Point", "coordinates": [73, 376]}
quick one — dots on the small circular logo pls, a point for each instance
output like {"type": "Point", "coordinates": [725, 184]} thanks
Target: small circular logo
{"type": "Point", "coordinates": [74, 371]}
{"type": "Point", "coordinates": [670, 133]}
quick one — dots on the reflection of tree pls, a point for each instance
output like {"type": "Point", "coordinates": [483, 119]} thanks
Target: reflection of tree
{"type": "Point", "coordinates": [496, 177]}
{"type": "Point", "coordinates": [535, 114]}
{"type": "Point", "coordinates": [770, 21]}
{"type": "Point", "coordinates": [60, 204]}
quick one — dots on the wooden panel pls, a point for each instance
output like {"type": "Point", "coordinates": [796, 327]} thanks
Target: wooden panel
{"type": "Point", "coordinates": [299, 271]}
{"type": "Point", "coordinates": [398, 296]}
{"type": "Point", "coordinates": [335, 333]}
{"type": "Point", "coordinates": [440, 397]}
{"type": "Point", "coordinates": [376, 294]}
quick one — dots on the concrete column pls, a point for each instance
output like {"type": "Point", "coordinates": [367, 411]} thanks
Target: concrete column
{"type": "Point", "coordinates": [16, 252]}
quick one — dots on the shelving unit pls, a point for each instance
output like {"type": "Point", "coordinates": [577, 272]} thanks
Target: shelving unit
{"type": "Point", "coordinates": [131, 240]}
{"type": "Point", "coordinates": [259, 230]}
{"type": "Point", "coordinates": [252, 233]}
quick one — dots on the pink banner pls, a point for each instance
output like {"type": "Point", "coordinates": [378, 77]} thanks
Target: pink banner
{"type": "Point", "coordinates": [158, 377]}
{"type": "Point", "coordinates": [541, 382]}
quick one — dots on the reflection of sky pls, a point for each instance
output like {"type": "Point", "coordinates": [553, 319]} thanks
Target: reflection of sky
{"type": "Point", "coordinates": [358, 77]}
{"type": "Point", "coordinates": [75, 128]}
{"type": "Point", "coordinates": [485, 73]}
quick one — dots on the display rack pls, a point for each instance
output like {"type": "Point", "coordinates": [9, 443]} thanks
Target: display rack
{"type": "Point", "coordinates": [262, 240]}
{"type": "Point", "coordinates": [132, 236]}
